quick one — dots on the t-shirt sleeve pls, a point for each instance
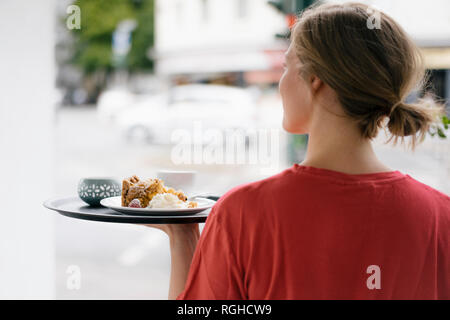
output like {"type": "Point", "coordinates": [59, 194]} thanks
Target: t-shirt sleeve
{"type": "Point", "coordinates": [214, 273]}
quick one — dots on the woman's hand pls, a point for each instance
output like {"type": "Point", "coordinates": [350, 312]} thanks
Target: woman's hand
{"type": "Point", "coordinates": [177, 230]}
{"type": "Point", "coordinates": [183, 241]}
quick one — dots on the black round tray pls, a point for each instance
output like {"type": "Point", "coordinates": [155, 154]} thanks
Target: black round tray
{"type": "Point", "coordinates": [74, 207]}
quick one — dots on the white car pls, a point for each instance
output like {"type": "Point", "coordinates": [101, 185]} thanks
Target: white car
{"type": "Point", "coordinates": [113, 101]}
{"type": "Point", "coordinates": [190, 107]}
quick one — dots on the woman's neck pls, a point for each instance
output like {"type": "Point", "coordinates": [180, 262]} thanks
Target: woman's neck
{"type": "Point", "coordinates": [336, 144]}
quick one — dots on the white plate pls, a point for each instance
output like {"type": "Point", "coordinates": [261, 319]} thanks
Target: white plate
{"type": "Point", "coordinates": [115, 203]}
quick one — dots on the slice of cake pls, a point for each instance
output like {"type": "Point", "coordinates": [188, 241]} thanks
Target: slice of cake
{"type": "Point", "coordinates": [143, 190]}
{"type": "Point", "coordinates": [138, 193]}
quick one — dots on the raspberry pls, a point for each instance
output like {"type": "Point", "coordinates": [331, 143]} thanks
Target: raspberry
{"type": "Point", "coordinates": [135, 203]}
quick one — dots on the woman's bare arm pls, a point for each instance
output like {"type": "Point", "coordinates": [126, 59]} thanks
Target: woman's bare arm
{"type": "Point", "coordinates": [183, 241]}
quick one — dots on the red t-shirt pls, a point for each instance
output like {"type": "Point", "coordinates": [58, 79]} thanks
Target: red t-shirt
{"type": "Point", "coordinates": [311, 233]}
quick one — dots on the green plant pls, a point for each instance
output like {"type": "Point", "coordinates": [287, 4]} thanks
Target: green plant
{"type": "Point", "coordinates": [439, 129]}
{"type": "Point", "coordinates": [99, 19]}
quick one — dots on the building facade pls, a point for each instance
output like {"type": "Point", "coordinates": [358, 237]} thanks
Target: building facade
{"type": "Point", "coordinates": [234, 41]}
{"type": "Point", "coordinates": [213, 40]}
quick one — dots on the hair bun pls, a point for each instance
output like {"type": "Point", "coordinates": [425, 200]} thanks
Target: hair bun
{"type": "Point", "coordinates": [410, 119]}
{"type": "Point", "coordinates": [395, 107]}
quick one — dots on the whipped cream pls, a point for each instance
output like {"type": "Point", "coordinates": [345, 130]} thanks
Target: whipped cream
{"type": "Point", "coordinates": [166, 201]}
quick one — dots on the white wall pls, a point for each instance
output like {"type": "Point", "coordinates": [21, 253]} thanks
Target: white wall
{"type": "Point", "coordinates": [424, 20]}
{"type": "Point", "coordinates": [26, 113]}
{"type": "Point", "coordinates": [180, 24]}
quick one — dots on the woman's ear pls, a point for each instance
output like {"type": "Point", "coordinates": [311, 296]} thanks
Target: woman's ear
{"type": "Point", "coordinates": [316, 83]}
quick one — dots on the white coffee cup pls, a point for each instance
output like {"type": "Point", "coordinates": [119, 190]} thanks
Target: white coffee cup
{"type": "Point", "coordinates": [179, 180]}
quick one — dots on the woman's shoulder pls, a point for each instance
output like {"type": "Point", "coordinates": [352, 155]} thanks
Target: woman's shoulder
{"type": "Point", "coordinates": [427, 192]}
{"type": "Point", "coordinates": [253, 192]}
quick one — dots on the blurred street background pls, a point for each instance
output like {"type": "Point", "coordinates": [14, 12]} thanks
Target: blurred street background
{"type": "Point", "coordinates": [97, 88]}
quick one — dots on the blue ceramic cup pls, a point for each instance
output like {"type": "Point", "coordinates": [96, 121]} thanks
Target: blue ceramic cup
{"type": "Point", "coordinates": [93, 190]}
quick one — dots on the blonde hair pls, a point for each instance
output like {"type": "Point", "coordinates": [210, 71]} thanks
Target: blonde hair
{"type": "Point", "coordinates": [372, 70]}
